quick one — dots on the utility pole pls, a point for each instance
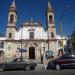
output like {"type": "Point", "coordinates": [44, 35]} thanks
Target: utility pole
{"type": "Point", "coordinates": [61, 34]}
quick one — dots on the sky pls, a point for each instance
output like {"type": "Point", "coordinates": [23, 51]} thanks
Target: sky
{"type": "Point", "coordinates": [36, 9]}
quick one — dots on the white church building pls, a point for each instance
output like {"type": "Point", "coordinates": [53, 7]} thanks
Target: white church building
{"type": "Point", "coordinates": [31, 36]}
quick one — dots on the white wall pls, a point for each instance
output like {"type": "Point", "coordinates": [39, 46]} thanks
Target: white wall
{"type": "Point", "coordinates": [39, 33]}
{"type": "Point", "coordinates": [2, 38]}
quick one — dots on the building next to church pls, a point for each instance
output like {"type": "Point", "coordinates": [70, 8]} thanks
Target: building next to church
{"type": "Point", "coordinates": [31, 36]}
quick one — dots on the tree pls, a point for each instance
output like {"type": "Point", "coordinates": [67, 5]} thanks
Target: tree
{"type": "Point", "coordinates": [73, 40]}
{"type": "Point", "coordinates": [70, 47]}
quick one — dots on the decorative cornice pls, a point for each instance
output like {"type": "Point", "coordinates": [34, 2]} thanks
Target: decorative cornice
{"type": "Point", "coordinates": [10, 26]}
{"type": "Point", "coordinates": [12, 40]}
{"type": "Point", "coordinates": [12, 9]}
{"type": "Point", "coordinates": [53, 26]}
{"type": "Point", "coordinates": [31, 29]}
{"type": "Point", "coordinates": [31, 26]}
{"type": "Point", "coordinates": [47, 11]}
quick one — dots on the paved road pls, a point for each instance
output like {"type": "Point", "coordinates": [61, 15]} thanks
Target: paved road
{"type": "Point", "coordinates": [41, 72]}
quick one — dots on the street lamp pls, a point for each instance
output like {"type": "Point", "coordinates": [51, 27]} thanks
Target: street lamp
{"type": "Point", "coordinates": [48, 36]}
{"type": "Point", "coordinates": [61, 18]}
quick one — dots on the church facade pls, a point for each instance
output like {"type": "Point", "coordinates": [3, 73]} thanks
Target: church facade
{"type": "Point", "coordinates": [30, 37]}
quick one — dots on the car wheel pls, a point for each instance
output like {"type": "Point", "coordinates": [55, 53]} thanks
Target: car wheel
{"type": "Point", "coordinates": [57, 67]}
{"type": "Point", "coordinates": [27, 68]}
{"type": "Point", "coordinates": [1, 68]}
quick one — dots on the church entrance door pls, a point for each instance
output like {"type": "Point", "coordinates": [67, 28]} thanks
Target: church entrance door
{"type": "Point", "coordinates": [31, 53]}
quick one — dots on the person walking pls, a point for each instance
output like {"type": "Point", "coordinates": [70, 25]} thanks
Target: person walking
{"type": "Point", "coordinates": [41, 59]}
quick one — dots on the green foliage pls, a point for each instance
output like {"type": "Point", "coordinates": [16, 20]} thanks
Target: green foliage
{"type": "Point", "coordinates": [73, 39]}
{"type": "Point", "coordinates": [70, 47]}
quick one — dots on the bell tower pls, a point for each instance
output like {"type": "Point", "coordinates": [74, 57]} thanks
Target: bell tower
{"type": "Point", "coordinates": [11, 25]}
{"type": "Point", "coordinates": [10, 32]}
{"type": "Point", "coordinates": [51, 28]}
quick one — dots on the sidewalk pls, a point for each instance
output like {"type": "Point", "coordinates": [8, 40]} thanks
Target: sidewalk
{"type": "Point", "coordinates": [40, 67]}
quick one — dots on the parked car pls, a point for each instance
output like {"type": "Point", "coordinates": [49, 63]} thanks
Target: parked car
{"type": "Point", "coordinates": [64, 61]}
{"type": "Point", "coordinates": [18, 63]}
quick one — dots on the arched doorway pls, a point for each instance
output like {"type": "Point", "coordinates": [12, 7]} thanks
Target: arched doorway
{"type": "Point", "coordinates": [1, 55]}
{"type": "Point", "coordinates": [31, 53]}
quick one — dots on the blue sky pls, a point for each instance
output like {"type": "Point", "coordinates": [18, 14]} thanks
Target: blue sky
{"type": "Point", "coordinates": [36, 9]}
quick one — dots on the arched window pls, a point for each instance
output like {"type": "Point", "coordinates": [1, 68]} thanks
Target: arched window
{"type": "Point", "coordinates": [31, 35]}
{"type": "Point", "coordinates": [11, 18]}
{"type": "Point", "coordinates": [10, 35]}
{"type": "Point", "coordinates": [52, 35]}
{"type": "Point", "coordinates": [1, 44]}
{"type": "Point", "coordinates": [50, 19]}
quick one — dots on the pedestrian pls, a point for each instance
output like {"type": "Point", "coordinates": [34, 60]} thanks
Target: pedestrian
{"type": "Point", "coordinates": [41, 58]}
{"type": "Point", "coordinates": [50, 63]}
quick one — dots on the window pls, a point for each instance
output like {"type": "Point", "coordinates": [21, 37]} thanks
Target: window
{"type": "Point", "coordinates": [1, 44]}
{"type": "Point", "coordinates": [60, 43]}
{"type": "Point", "coordinates": [50, 19]}
{"type": "Point", "coordinates": [10, 35]}
{"type": "Point", "coordinates": [31, 35]}
{"type": "Point", "coordinates": [52, 35]}
{"type": "Point", "coordinates": [11, 18]}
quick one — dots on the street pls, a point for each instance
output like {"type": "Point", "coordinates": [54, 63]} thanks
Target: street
{"type": "Point", "coordinates": [40, 72]}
